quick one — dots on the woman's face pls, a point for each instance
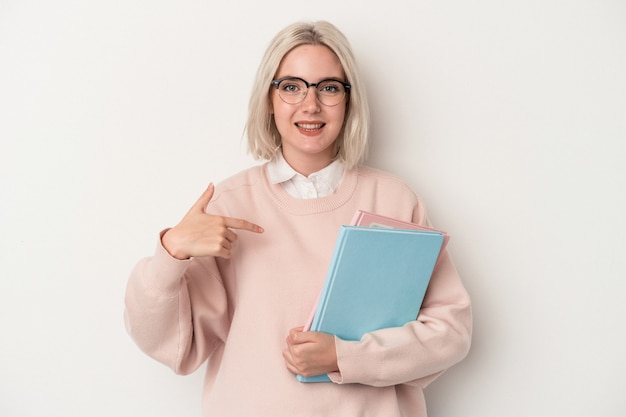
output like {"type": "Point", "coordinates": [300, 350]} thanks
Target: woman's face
{"type": "Point", "coordinates": [308, 129]}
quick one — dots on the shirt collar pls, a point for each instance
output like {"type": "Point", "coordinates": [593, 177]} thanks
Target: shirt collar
{"type": "Point", "coordinates": [280, 171]}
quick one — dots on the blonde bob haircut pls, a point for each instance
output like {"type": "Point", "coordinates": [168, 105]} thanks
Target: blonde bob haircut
{"type": "Point", "coordinates": [263, 138]}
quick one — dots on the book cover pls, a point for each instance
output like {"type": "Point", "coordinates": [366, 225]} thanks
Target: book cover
{"type": "Point", "coordinates": [369, 219]}
{"type": "Point", "coordinates": [366, 218]}
{"type": "Point", "coordinates": [377, 279]}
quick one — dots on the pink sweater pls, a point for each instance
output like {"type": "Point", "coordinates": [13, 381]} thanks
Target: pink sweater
{"type": "Point", "coordinates": [234, 315]}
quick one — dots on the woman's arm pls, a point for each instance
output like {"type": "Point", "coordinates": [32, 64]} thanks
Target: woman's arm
{"type": "Point", "coordinates": [158, 310]}
{"type": "Point", "coordinates": [183, 274]}
{"type": "Point", "coordinates": [420, 350]}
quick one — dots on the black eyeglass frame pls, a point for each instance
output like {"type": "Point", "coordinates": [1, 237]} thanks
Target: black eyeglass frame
{"type": "Point", "coordinates": [347, 86]}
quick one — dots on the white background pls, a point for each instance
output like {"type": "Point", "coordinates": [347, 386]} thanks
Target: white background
{"type": "Point", "coordinates": [508, 117]}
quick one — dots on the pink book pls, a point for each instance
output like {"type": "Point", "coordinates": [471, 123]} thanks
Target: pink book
{"type": "Point", "coordinates": [364, 218]}
{"type": "Point", "coordinates": [367, 219]}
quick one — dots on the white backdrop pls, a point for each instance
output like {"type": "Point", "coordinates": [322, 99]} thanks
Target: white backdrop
{"type": "Point", "coordinates": [508, 117]}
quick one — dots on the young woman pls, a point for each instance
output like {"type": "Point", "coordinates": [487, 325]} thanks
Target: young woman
{"type": "Point", "coordinates": [231, 285]}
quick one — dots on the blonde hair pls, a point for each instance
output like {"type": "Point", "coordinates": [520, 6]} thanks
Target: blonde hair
{"type": "Point", "coordinates": [263, 138]}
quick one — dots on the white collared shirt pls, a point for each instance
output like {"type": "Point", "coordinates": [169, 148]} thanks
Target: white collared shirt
{"type": "Point", "coordinates": [319, 184]}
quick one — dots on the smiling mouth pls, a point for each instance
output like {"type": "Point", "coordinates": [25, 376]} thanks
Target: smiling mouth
{"type": "Point", "coordinates": [310, 127]}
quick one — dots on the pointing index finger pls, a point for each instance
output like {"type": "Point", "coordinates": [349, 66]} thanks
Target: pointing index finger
{"type": "Point", "coordinates": [241, 224]}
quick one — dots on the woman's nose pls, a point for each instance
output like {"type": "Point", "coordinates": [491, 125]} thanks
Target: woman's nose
{"type": "Point", "coordinates": [310, 102]}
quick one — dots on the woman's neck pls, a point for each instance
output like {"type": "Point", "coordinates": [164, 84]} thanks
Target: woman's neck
{"type": "Point", "coordinates": [308, 165]}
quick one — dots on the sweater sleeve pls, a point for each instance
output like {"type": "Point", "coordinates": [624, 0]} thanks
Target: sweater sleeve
{"type": "Point", "coordinates": [419, 351]}
{"type": "Point", "coordinates": [176, 311]}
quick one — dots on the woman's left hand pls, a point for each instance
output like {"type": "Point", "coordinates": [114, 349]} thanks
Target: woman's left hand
{"type": "Point", "coordinates": [310, 353]}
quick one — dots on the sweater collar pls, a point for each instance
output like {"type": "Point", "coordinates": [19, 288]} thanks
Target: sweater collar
{"type": "Point", "coordinates": [344, 191]}
{"type": "Point", "coordinates": [279, 171]}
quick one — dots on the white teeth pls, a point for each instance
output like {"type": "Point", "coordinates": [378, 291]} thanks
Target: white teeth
{"type": "Point", "coordinates": [309, 126]}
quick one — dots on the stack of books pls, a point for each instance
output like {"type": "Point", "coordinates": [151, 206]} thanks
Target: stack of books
{"type": "Point", "coordinates": [377, 277]}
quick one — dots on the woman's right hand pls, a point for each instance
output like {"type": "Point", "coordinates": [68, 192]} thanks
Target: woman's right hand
{"type": "Point", "coordinates": [203, 234]}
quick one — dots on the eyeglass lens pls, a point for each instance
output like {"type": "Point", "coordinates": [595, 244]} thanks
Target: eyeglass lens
{"type": "Point", "coordinates": [329, 92]}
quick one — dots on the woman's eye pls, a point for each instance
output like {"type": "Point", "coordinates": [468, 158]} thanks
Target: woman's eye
{"type": "Point", "coordinates": [290, 88]}
{"type": "Point", "coordinates": [331, 88]}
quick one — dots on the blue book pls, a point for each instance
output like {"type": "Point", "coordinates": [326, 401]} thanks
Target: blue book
{"type": "Point", "coordinates": [377, 279]}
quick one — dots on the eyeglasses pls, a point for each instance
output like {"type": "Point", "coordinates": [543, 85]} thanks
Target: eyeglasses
{"type": "Point", "coordinates": [293, 90]}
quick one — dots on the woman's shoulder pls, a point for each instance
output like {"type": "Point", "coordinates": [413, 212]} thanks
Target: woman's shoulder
{"type": "Point", "coordinates": [243, 178]}
{"type": "Point", "coordinates": [394, 195]}
{"type": "Point", "coordinates": [368, 173]}
{"type": "Point", "coordinates": [238, 190]}
{"type": "Point", "coordinates": [239, 184]}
